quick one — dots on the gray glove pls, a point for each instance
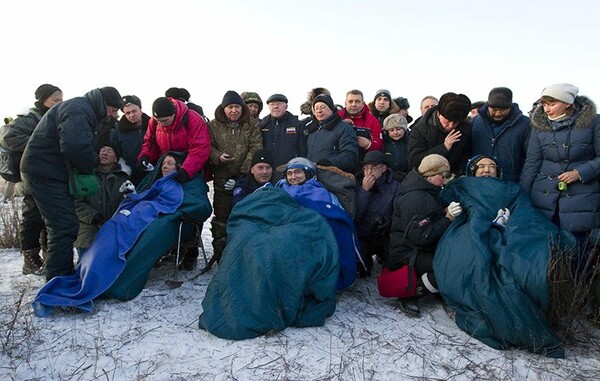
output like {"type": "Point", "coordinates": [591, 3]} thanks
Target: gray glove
{"type": "Point", "coordinates": [229, 184]}
{"type": "Point", "coordinates": [454, 209]}
{"type": "Point", "coordinates": [127, 187]}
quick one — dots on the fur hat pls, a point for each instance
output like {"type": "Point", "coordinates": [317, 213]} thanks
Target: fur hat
{"type": "Point", "coordinates": [163, 107]}
{"type": "Point", "coordinates": [45, 91]}
{"type": "Point", "coordinates": [500, 97]}
{"type": "Point", "coordinates": [306, 107]}
{"type": "Point", "coordinates": [178, 93]}
{"type": "Point", "coordinates": [564, 92]}
{"type": "Point", "coordinates": [402, 103]}
{"type": "Point", "coordinates": [383, 93]}
{"type": "Point", "coordinates": [395, 120]}
{"type": "Point", "coordinates": [262, 156]}
{"type": "Point", "coordinates": [232, 98]}
{"type": "Point", "coordinates": [131, 99]}
{"type": "Point", "coordinates": [277, 98]}
{"type": "Point", "coordinates": [433, 164]}
{"type": "Point", "coordinates": [454, 107]}
{"type": "Point", "coordinates": [374, 157]}
{"type": "Point", "coordinates": [112, 97]}
{"type": "Point", "coordinates": [325, 99]}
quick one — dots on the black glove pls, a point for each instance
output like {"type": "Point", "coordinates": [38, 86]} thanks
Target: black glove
{"type": "Point", "coordinates": [98, 219]}
{"type": "Point", "coordinates": [325, 162]}
{"type": "Point", "coordinates": [182, 176]}
{"type": "Point", "coordinates": [142, 163]}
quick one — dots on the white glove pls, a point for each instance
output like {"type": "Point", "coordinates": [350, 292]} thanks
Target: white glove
{"type": "Point", "coordinates": [454, 209]}
{"type": "Point", "coordinates": [502, 217]}
{"type": "Point", "coordinates": [229, 184]}
{"type": "Point", "coordinates": [127, 187]}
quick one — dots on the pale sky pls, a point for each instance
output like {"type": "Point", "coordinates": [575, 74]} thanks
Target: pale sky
{"type": "Point", "coordinates": [412, 48]}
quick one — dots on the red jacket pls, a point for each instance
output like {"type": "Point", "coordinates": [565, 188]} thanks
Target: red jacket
{"type": "Point", "coordinates": [365, 119]}
{"type": "Point", "coordinates": [193, 139]}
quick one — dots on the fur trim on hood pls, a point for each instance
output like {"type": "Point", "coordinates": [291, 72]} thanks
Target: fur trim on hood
{"type": "Point", "coordinates": [586, 114]}
{"type": "Point", "coordinates": [394, 108]}
{"type": "Point", "coordinates": [220, 115]}
{"type": "Point", "coordinates": [306, 107]}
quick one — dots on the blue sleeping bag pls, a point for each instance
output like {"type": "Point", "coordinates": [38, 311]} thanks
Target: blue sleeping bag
{"type": "Point", "coordinates": [496, 278]}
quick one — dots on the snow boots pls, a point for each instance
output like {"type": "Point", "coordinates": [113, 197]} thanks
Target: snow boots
{"type": "Point", "coordinates": [32, 263]}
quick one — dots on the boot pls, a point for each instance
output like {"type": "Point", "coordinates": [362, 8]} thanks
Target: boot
{"type": "Point", "coordinates": [190, 258]}
{"type": "Point", "coordinates": [409, 306]}
{"type": "Point", "coordinates": [32, 263]}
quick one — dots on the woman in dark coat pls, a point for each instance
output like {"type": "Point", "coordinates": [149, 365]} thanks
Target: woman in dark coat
{"type": "Point", "coordinates": [563, 160]}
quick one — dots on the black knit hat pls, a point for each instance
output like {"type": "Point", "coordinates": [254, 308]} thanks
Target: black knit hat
{"type": "Point", "coordinates": [131, 99]}
{"type": "Point", "coordinates": [262, 156]}
{"type": "Point", "coordinates": [112, 97]}
{"type": "Point", "coordinates": [115, 147]}
{"type": "Point", "coordinates": [232, 98]}
{"type": "Point", "coordinates": [45, 91]}
{"type": "Point", "coordinates": [454, 107]}
{"type": "Point", "coordinates": [500, 97]}
{"type": "Point", "coordinates": [163, 107]}
{"type": "Point", "coordinates": [374, 157]}
{"type": "Point", "coordinates": [323, 98]}
{"type": "Point", "coordinates": [178, 93]}
{"type": "Point", "coordinates": [383, 93]}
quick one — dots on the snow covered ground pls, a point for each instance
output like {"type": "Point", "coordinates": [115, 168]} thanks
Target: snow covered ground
{"type": "Point", "coordinates": [155, 337]}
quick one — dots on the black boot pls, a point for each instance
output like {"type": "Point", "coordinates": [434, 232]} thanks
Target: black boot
{"type": "Point", "coordinates": [409, 306]}
{"type": "Point", "coordinates": [190, 258]}
{"type": "Point", "coordinates": [32, 263]}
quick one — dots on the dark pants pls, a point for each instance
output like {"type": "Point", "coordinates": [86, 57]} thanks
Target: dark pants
{"type": "Point", "coordinates": [57, 209]}
{"type": "Point", "coordinates": [31, 227]}
{"type": "Point", "coordinates": [222, 208]}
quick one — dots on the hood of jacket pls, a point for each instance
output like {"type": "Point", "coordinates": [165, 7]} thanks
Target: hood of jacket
{"type": "Point", "coordinates": [583, 116]}
{"type": "Point", "coordinates": [96, 100]}
{"type": "Point", "coordinates": [394, 109]}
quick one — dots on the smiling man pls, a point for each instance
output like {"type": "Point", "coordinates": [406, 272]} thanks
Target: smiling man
{"type": "Point", "coordinates": [443, 130]}
{"type": "Point", "coordinates": [502, 131]}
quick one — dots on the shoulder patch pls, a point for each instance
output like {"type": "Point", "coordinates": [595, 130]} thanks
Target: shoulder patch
{"type": "Point", "coordinates": [424, 222]}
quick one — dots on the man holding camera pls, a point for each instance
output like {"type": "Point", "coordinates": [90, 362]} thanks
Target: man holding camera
{"type": "Point", "coordinates": [368, 130]}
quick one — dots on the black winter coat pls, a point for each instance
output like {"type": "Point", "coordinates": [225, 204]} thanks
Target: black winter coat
{"type": "Point", "coordinates": [284, 137]}
{"type": "Point", "coordinates": [65, 134]}
{"type": "Point", "coordinates": [427, 137]}
{"type": "Point", "coordinates": [418, 222]}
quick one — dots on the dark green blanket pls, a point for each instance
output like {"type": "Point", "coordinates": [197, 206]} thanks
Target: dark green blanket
{"type": "Point", "coordinates": [496, 279]}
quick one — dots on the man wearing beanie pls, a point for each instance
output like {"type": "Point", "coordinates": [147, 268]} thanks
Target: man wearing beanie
{"type": "Point", "coordinates": [174, 128]}
{"type": "Point", "coordinates": [107, 125]}
{"type": "Point", "coordinates": [94, 210]}
{"type": "Point", "coordinates": [14, 137]}
{"type": "Point", "coordinates": [331, 142]}
{"type": "Point", "coordinates": [502, 131]}
{"type": "Point", "coordinates": [261, 172]}
{"type": "Point", "coordinates": [183, 95]}
{"type": "Point", "coordinates": [235, 137]}
{"type": "Point", "coordinates": [282, 133]}
{"type": "Point", "coordinates": [61, 145]}
{"type": "Point", "coordinates": [420, 219]}
{"type": "Point", "coordinates": [129, 134]}
{"type": "Point", "coordinates": [254, 103]}
{"type": "Point", "coordinates": [383, 105]}
{"type": "Point", "coordinates": [368, 130]}
{"type": "Point", "coordinates": [562, 167]}
{"type": "Point", "coordinates": [443, 130]}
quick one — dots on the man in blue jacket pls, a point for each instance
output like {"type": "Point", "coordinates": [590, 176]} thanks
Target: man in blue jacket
{"type": "Point", "coordinates": [63, 142]}
{"type": "Point", "coordinates": [502, 131]}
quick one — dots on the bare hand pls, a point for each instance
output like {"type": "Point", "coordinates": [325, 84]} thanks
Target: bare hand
{"type": "Point", "coordinates": [225, 158]}
{"type": "Point", "coordinates": [453, 137]}
{"type": "Point", "coordinates": [363, 142]}
{"type": "Point", "coordinates": [569, 177]}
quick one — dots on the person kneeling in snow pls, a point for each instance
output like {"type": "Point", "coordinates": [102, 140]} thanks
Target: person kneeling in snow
{"type": "Point", "coordinates": [419, 221]}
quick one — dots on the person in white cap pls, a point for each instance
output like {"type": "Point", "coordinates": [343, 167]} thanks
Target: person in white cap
{"type": "Point", "coordinates": [562, 166]}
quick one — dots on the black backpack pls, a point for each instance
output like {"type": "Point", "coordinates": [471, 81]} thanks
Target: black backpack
{"type": "Point", "coordinates": [10, 161]}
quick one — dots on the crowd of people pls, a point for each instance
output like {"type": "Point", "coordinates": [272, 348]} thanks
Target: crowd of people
{"type": "Point", "coordinates": [399, 165]}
